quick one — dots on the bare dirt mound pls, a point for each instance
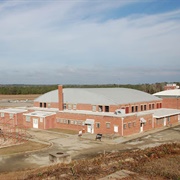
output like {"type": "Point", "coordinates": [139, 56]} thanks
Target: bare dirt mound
{"type": "Point", "coordinates": [162, 162]}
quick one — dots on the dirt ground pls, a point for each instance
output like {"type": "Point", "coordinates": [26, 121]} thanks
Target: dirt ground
{"type": "Point", "coordinates": [84, 147]}
{"type": "Point", "coordinates": [7, 101]}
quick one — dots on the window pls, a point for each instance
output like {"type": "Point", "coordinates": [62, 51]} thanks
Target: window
{"type": "Point", "coordinates": [41, 119]}
{"type": "Point", "coordinates": [28, 119]}
{"type": "Point", "coordinates": [129, 125]}
{"type": "Point", "coordinates": [69, 106]}
{"type": "Point", "coordinates": [107, 125]}
{"type": "Point", "coordinates": [94, 108]}
{"type": "Point", "coordinates": [69, 122]}
{"type": "Point", "coordinates": [45, 105]}
{"type": "Point", "coordinates": [79, 122]}
{"type": "Point", "coordinates": [57, 120]}
{"type": "Point", "coordinates": [2, 114]}
{"type": "Point", "coordinates": [75, 122]}
{"type": "Point", "coordinates": [124, 126]}
{"type": "Point", "coordinates": [11, 116]}
{"type": "Point", "coordinates": [106, 108]}
{"type": "Point", "coordinates": [149, 106]}
{"type": "Point", "coordinates": [97, 125]}
{"type": "Point", "coordinates": [64, 106]}
{"type": "Point", "coordinates": [100, 108]}
{"type": "Point", "coordinates": [72, 122]}
{"type": "Point", "coordinates": [132, 109]}
{"type": "Point", "coordinates": [74, 106]}
{"type": "Point", "coordinates": [144, 107]}
{"type": "Point", "coordinates": [168, 119]}
{"type": "Point", "coordinates": [40, 104]}
{"type": "Point", "coordinates": [152, 106]}
{"type": "Point", "coordinates": [141, 107]}
{"type": "Point", "coordinates": [136, 108]}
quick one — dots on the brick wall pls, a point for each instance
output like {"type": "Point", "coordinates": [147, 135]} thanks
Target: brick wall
{"type": "Point", "coordinates": [172, 102]}
{"type": "Point", "coordinates": [48, 104]}
{"type": "Point", "coordinates": [43, 122]}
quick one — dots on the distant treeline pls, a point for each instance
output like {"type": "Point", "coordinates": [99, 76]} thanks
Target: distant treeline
{"type": "Point", "coordinates": [41, 89]}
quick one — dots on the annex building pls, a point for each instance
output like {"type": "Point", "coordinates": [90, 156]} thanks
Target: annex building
{"type": "Point", "coordinates": [118, 111]}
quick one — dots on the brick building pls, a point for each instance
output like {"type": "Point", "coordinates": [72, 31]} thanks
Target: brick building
{"type": "Point", "coordinates": [170, 98]}
{"type": "Point", "coordinates": [118, 111]}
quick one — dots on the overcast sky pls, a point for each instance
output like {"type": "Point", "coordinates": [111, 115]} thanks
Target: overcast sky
{"type": "Point", "coordinates": [89, 41]}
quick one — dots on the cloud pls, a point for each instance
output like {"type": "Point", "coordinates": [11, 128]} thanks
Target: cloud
{"type": "Point", "coordinates": [38, 38]}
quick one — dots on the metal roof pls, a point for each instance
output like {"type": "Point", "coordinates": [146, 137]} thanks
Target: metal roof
{"type": "Point", "coordinates": [172, 92]}
{"type": "Point", "coordinates": [102, 96]}
{"type": "Point", "coordinates": [160, 113]}
{"type": "Point", "coordinates": [13, 110]}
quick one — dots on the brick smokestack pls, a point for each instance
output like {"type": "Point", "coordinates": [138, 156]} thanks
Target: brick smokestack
{"type": "Point", "coordinates": [60, 97]}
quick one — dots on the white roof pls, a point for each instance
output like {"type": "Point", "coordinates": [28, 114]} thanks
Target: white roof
{"type": "Point", "coordinates": [13, 110]}
{"type": "Point", "coordinates": [101, 96]}
{"type": "Point", "coordinates": [160, 113]}
{"type": "Point", "coordinates": [172, 92]}
{"type": "Point", "coordinates": [43, 109]}
{"type": "Point", "coordinates": [40, 114]}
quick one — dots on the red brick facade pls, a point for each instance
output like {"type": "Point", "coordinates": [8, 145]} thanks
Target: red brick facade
{"type": "Point", "coordinates": [171, 102]}
{"type": "Point", "coordinates": [96, 118]}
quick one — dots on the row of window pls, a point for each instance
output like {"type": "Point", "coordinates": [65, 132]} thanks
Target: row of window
{"type": "Point", "coordinates": [28, 119]}
{"type": "Point", "coordinates": [144, 107]}
{"type": "Point", "coordinates": [94, 107]}
{"type": "Point", "coordinates": [161, 121]}
{"type": "Point", "coordinates": [129, 125]}
{"type": "Point", "coordinates": [68, 121]}
{"type": "Point", "coordinates": [11, 116]}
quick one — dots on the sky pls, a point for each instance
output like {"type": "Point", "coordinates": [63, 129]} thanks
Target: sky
{"type": "Point", "coordinates": [89, 41]}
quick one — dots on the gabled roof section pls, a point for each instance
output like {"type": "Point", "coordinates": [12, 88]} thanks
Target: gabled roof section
{"type": "Point", "coordinates": [101, 96]}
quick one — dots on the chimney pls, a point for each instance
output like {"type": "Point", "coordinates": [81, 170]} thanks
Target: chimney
{"type": "Point", "coordinates": [60, 97]}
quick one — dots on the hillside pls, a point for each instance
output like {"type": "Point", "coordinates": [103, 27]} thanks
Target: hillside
{"type": "Point", "coordinates": [162, 162]}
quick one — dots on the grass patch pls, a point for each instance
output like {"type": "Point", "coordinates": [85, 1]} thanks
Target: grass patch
{"type": "Point", "coordinates": [27, 146]}
{"type": "Point", "coordinates": [65, 131]}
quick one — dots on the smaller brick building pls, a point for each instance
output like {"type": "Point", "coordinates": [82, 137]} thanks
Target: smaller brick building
{"type": "Point", "coordinates": [39, 119]}
{"type": "Point", "coordinates": [12, 116]}
{"type": "Point", "coordinates": [170, 98]}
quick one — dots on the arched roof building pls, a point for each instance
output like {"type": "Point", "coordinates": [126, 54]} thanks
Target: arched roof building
{"type": "Point", "coordinates": [113, 97]}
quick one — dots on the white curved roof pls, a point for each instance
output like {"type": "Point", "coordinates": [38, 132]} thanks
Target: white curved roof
{"type": "Point", "coordinates": [172, 92]}
{"type": "Point", "coordinates": [102, 96]}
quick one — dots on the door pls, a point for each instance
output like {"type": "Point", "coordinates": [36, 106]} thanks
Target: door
{"type": "Point", "coordinates": [141, 127]}
{"type": "Point", "coordinates": [35, 123]}
{"type": "Point", "coordinates": [115, 129]}
{"type": "Point", "coordinates": [165, 120]}
{"type": "Point", "coordinates": [90, 128]}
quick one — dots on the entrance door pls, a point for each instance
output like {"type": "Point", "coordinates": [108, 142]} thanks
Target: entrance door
{"type": "Point", "coordinates": [35, 123]}
{"type": "Point", "coordinates": [141, 127]}
{"type": "Point", "coordinates": [90, 128]}
{"type": "Point", "coordinates": [115, 129]}
{"type": "Point", "coordinates": [165, 120]}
